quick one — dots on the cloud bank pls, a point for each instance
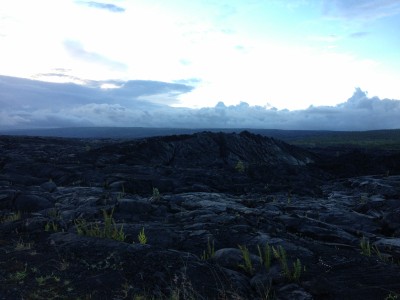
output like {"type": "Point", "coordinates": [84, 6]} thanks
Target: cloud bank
{"type": "Point", "coordinates": [36, 104]}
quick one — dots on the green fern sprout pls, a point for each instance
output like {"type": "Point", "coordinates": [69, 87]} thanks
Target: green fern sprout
{"type": "Point", "coordinates": [295, 276]}
{"type": "Point", "coordinates": [110, 229]}
{"type": "Point", "coordinates": [248, 265]}
{"type": "Point", "coordinates": [265, 256]}
{"type": "Point", "coordinates": [210, 252]}
{"type": "Point", "coordinates": [142, 237]}
{"type": "Point", "coordinates": [365, 247]}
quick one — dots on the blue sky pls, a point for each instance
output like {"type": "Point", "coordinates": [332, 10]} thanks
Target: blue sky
{"type": "Point", "coordinates": [272, 54]}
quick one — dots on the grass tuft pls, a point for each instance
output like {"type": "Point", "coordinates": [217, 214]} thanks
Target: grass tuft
{"type": "Point", "coordinates": [248, 265]}
{"type": "Point", "coordinates": [142, 237]}
{"type": "Point", "coordinates": [265, 256]}
{"type": "Point", "coordinates": [110, 229]}
{"type": "Point", "coordinates": [210, 252]}
{"type": "Point", "coordinates": [11, 217]}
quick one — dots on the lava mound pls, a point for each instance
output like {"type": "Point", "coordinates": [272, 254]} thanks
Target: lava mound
{"type": "Point", "coordinates": [206, 161]}
{"type": "Point", "coordinates": [207, 149]}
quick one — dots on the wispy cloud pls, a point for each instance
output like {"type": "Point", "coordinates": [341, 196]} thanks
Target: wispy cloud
{"type": "Point", "coordinates": [360, 9]}
{"type": "Point", "coordinates": [324, 38]}
{"type": "Point", "coordinates": [359, 34]}
{"type": "Point", "coordinates": [106, 6]}
{"type": "Point", "coordinates": [76, 50]}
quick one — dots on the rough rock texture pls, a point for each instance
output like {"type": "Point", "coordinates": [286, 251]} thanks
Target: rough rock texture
{"type": "Point", "coordinates": [209, 210]}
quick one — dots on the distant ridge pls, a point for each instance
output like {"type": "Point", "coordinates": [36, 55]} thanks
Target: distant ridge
{"type": "Point", "coordinates": [142, 132]}
{"type": "Point", "coordinates": [388, 138]}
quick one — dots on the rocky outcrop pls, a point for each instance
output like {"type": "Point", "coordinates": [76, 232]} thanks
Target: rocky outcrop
{"type": "Point", "coordinates": [107, 219]}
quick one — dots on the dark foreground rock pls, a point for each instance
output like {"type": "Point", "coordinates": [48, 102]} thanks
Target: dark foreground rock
{"type": "Point", "coordinates": [207, 216]}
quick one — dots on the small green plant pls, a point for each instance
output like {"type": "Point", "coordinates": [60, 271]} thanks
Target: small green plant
{"type": "Point", "coordinates": [365, 247]}
{"type": "Point", "coordinates": [210, 252]}
{"type": "Point", "coordinates": [280, 255]}
{"type": "Point", "coordinates": [11, 218]}
{"type": "Point", "coordinates": [19, 275]}
{"type": "Point", "coordinates": [21, 245]}
{"type": "Point", "coordinates": [110, 229]}
{"type": "Point", "coordinates": [289, 198]}
{"type": "Point", "coordinates": [248, 265]}
{"type": "Point", "coordinates": [41, 280]}
{"type": "Point", "coordinates": [368, 250]}
{"type": "Point", "coordinates": [156, 194]}
{"type": "Point", "coordinates": [51, 226]}
{"type": "Point", "coordinates": [142, 237]}
{"type": "Point", "coordinates": [392, 296]}
{"type": "Point", "coordinates": [240, 167]}
{"type": "Point", "coordinates": [182, 288]}
{"type": "Point", "coordinates": [121, 194]}
{"type": "Point", "coordinates": [297, 268]}
{"type": "Point", "coordinates": [265, 256]}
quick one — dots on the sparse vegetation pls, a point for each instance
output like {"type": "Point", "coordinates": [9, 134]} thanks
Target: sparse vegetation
{"type": "Point", "coordinates": [392, 296]}
{"type": "Point", "coordinates": [182, 288]}
{"type": "Point", "coordinates": [142, 237]}
{"type": "Point", "coordinates": [15, 216]}
{"type": "Point", "coordinates": [295, 273]}
{"type": "Point", "coordinates": [247, 265]}
{"type": "Point", "coordinates": [19, 276]}
{"type": "Point", "coordinates": [21, 245]}
{"type": "Point", "coordinates": [51, 226]}
{"type": "Point", "coordinates": [265, 256]}
{"type": "Point", "coordinates": [110, 229]}
{"type": "Point", "coordinates": [365, 247]}
{"type": "Point", "coordinates": [156, 195]}
{"type": "Point", "coordinates": [209, 252]}
{"type": "Point", "coordinates": [368, 250]}
{"type": "Point", "coordinates": [240, 167]}
{"type": "Point", "coordinates": [41, 280]}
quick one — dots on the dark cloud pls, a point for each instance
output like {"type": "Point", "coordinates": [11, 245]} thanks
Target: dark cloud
{"type": "Point", "coordinates": [76, 50]}
{"type": "Point", "coordinates": [106, 6]}
{"type": "Point", "coordinates": [32, 104]}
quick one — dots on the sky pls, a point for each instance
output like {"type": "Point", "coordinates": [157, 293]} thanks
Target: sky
{"type": "Point", "coordinates": [295, 64]}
